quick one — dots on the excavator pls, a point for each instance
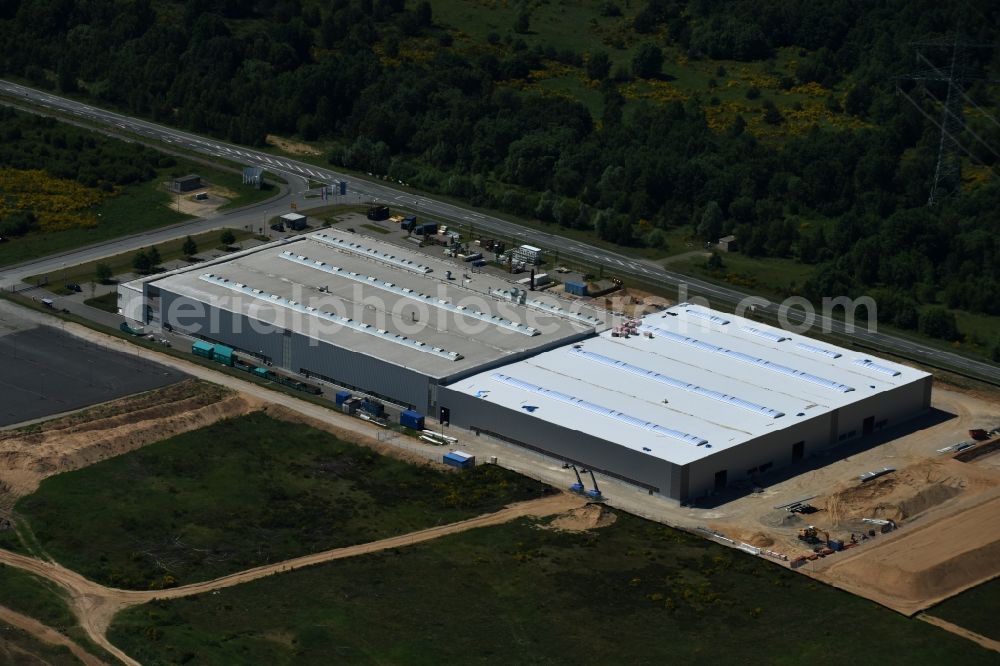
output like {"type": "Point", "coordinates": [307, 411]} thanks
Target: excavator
{"type": "Point", "coordinates": [811, 535]}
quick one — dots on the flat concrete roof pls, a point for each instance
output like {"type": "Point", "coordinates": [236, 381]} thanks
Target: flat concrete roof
{"type": "Point", "coordinates": [704, 381]}
{"type": "Point", "coordinates": [384, 300]}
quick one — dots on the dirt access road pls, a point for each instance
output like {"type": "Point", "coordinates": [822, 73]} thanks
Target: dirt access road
{"type": "Point", "coordinates": [47, 635]}
{"type": "Point", "coordinates": [96, 605]}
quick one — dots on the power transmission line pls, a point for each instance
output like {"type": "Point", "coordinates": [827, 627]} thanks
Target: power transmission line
{"type": "Point", "coordinates": [948, 170]}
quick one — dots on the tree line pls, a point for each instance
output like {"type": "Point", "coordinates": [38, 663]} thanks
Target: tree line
{"type": "Point", "coordinates": [850, 202]}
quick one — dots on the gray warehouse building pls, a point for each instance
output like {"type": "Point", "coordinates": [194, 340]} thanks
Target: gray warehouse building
{"type": "Point", "coordinates": [357, 312]}
{"type": "Point", "coordinates": [688, 400]}
{"type": "Point", "coordinates": [682, 402]}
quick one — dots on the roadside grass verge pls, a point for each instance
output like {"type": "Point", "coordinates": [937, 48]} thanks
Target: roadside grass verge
{"type": "Point", "coordinates": [633, 593]}
{"type": "Point", "coordinates": [241, 493]}
{"type": "Point", "coordinates": [122, 263]}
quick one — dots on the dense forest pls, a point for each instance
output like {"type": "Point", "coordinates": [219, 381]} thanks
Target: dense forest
{"type": "Point", "coordinates": [396, 91]}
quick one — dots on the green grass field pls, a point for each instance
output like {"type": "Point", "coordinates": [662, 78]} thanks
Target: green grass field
{"type": "Point", "coordinates": [137, 208]}
{"type": "Point", "coordinates": [772, 277]}
{"type": "Point", "coordinates": [241, 493]}
{"type": "Point", "coordinates": [632, 593]}
{"type": "Point", "coordinates": [976, 609]}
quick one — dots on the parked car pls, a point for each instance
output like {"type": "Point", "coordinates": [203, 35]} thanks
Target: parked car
{"type": "Point", "coordinates": [73, 286]}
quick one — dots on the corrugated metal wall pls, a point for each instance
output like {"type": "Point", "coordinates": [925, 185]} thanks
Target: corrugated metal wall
{"type": "Point", "coordinates": [365, 372]}
{"type": "Point", "coordinates": [295, 352]}
{"type": "Point", "coordinates": [561, 443]}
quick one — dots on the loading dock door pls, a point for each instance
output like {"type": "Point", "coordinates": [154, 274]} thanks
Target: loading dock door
{"type": "Point", "coordinates": [798, 450]}
{"type": "Point", "coordinates": [868, 426]}
{"type": "Point", "coordinates": [720, 479]}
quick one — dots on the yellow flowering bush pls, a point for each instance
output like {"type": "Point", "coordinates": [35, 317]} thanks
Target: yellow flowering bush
{"type": "Point", "coordinates": [57, 203]}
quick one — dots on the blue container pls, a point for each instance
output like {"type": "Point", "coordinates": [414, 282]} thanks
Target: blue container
{"type": "Point", "coordinates": [459, 459]}
{"type": "Point", "coordinates": [343, 186]}
{"type": "Point", "coordinates": [427, 229]}
{"type": "Point", "coordinates": [576, 288]}
{"type": "Point", "coordinates": [261, 372]}
{"type": "Point", "coordinates": [342, 396]}
{"type": "Point", "coordinates": [412, 419]}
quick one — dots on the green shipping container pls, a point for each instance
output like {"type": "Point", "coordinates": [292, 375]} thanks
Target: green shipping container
{"type": "Point", "coordinates": [202, 348]}
{"type": "Point", "coordinates": [224, 355]}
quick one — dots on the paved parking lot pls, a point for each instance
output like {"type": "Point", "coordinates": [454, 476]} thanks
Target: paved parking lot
{"type": "Point", "coordinates": [45, 371]}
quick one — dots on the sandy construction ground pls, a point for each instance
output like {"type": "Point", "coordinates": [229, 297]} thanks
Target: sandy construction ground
{"type": "Point", "coordinates": [952, 548]}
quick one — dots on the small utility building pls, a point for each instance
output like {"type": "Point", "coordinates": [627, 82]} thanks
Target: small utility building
{"type": "Point", "coordinates": [187, 183]}
{"type": "Point", "coordinates": [295, 221]}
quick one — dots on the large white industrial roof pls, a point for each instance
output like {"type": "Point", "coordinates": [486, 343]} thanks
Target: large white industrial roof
{"type": "Point", "coordinates": [692, 382]}
{"type": "Point", "coordinates": [380, 299]}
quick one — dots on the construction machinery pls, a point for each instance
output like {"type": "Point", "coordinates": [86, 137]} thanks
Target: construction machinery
{"type": "Point", "coordinates": [811, 534]}
{"type": "Point", "coordinates": [595, 492]}
{"type": "Point", "coordinates": [578, 486]}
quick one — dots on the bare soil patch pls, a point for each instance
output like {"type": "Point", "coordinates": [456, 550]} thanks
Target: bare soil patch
{"type": "Point", "coordinates": [29, 455]}
{"type": "Point", "coordinates": [581, 519]}
{"type": "Point", "coordinates": [291, 147]}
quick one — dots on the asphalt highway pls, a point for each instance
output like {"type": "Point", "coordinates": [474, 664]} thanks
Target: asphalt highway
{"type": "Point", "coordinates": [364, 190]}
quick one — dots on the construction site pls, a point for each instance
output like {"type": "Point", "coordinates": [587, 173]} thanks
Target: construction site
{"type": "Point", "coordinates": [837, 465]}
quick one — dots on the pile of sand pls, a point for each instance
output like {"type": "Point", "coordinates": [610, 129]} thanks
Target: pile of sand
{"type": "Point", "coordinates": [589, 517]}
{"type": "Point", "coordinates": [908, 492]}
{"type": "Point", "coordinates": [29, 455]}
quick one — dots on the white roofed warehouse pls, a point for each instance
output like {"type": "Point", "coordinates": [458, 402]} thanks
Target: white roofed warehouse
{"type": "Point", "coordinates": [689, 402]}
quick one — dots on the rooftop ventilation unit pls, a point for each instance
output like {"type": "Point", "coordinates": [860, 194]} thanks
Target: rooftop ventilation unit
{"type": "Point", "coordinates": [707, 317]}
{"type": "Point", "coordinates": [415, 295]}
{"type": "Point", "coordinates": [813, 349]}
{"type": "Point", "coordinates": [882, 369]}
{"type": "Point", "coordinates": [329, 316]}
{"type": "Point", "coordinates": [384, 257]}
{"type": "Point", "coordinates": [539, 304]}
{"type": "Point", "coordinates": [760, 333]}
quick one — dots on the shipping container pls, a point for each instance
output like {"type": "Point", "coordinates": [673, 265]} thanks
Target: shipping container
{"type": "Point", "coordinates": [576, 288]}
{"type": "Point", "coordinates": [378, 213]}
{"type": "Point", "coordinates": [202, 348]}
{"type": "Point", "coordinates": [350, 405]}
{"type": "Point", "coordinates": [342, 397]}
{"type": "Point", "coordinates": [426, 229]}
{"type": "Point", "coordinates": [224, 355]}
{"type": "Point", "coordinates": [263, 373]}
{"type": "Point", "coordinates": [472, 257]}
{"type": "Point", "coordinates": [459, 459]}
{"type": "Point", "coordinates": [412, 419]}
